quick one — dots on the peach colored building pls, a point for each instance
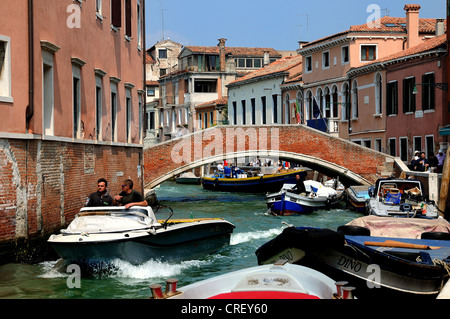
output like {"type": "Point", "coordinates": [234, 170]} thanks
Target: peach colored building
{"type": "Point", "coordinates": [72, 98]}
{"type": "Point", "coordinates": [328, 91]}
{"type": "Point", "coordinates": [202, 77]}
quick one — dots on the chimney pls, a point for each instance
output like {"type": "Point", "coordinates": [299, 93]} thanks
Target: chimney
{"type": "Point", "coordinates": [440, 27]}
{"type": "Point", "coordinates": [266, 60]}
{"type": "Point", "coordinates": [412, 24]}
{"type": "Point", "coordinates": [221, 46]}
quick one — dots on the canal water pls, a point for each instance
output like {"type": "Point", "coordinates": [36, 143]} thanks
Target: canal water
{"type": "Point", "coordinates": [254, 226]}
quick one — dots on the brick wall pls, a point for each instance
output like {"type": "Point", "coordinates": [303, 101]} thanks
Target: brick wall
{"type": "Point", "coordinates": [45, 183]}
{"type": "Point", "coordinates": [168, 156]}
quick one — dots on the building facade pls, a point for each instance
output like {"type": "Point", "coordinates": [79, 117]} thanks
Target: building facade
{"type": "Point", "coordinates": [72, 89]}
{"type": "Point", "coordinates": [202, 77]}
{"type": "Point", "coordinates": [256, 99]}
{"type": "Point", "coordinates": [329, 93]}
{"type": "Point", "coordinates": [162, 58]}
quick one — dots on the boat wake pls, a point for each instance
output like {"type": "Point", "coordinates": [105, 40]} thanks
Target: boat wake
{"type": "Point", "coordinates": [154, 268]}
{"type": "Point", "coordinates": [118, 268]}
{"type": "Point", "coordinates": [239, 238]}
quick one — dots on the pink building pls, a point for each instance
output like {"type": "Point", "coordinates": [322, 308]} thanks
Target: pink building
{"type": "Point", "coordinates": [328, 90]}
{"type": "Point", "coordinates": [416, 107]}
{"type": "Point", "coordinates": [72, 97]}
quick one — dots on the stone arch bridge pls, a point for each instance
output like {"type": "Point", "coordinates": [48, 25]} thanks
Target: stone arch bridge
{"type": "Point", "coordinates": [334, 157]}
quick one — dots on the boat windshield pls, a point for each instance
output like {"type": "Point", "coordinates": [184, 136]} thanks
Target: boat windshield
{"type": "Point", "coordinates": [131, 212]}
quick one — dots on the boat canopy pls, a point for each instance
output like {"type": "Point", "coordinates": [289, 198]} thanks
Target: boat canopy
{"type": "Point", "coordinates": [401, 227]}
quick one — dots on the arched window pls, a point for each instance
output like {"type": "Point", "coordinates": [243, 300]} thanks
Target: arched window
{"type": "Point", "coordinates": [318, 113]}
{"type": "Point", "coordinates": [345, 102]}
{"type": "Point", "coordinates": [355, 99]}
{"type": "Point", "coordinates": [334, 102]}
{"type": "Point", "coordinates": [300, 114]}
{"type": "Point", "coordinates": [327, 102]}
{"type": "Point", "coordinates": [309, 105]}
{"type": "Point", "coordinates": [287, 108]}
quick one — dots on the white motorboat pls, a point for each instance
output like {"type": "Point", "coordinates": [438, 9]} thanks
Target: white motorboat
{"type": "Point", "coordinates": [317, 196]}
{"type": "Point", "coordinates": [275, 281]}
{"type": "Point", "coordinates": [135, 235]}
{"type": "Point", "coordinates": [188, 178]}
{"type": "Point", "coordinates": [400, 198]}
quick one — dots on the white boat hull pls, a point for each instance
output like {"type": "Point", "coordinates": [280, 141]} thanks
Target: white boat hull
{"type": "Point", "coordinates": [175, 241]}
{"type": "Point", "coordinates": [268, 281]}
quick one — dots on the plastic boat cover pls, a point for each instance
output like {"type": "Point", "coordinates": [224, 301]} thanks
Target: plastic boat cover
{"type": "Point", "coordinates": [401, 227]}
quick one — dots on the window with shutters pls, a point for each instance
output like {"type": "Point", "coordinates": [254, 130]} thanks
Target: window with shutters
{"type": "Point", "coordinates": [116, 13]}
{"type": "Point", "coordinates": [128, 18]}
{"type": "Point", "coordinates": [409, 98]}
{"type": "Point", "coordinates": [5, 70]}
{"type": "Point", "coordinates": [428, 92]}
{"type": "Point", "coordinates": [392, 98]}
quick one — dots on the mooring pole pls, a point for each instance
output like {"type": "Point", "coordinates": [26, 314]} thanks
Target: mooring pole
{"type": "Point", "coordinates": [444, 184]}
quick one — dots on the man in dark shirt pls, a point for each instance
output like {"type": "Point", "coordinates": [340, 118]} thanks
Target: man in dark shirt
{"type": "Point", "coordinates": [101, 196]}
{"type": "Point", "coordinates": [299, 185]}
{"type": "Point", "coordinates": [129, 197]}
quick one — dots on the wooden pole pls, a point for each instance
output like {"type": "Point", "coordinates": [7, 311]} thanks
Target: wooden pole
{"type": "Point", "coordinates": [443, 193]}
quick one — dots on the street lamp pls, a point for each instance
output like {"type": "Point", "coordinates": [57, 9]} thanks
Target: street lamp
{"type": "Point", "coordinates": [441, 86]}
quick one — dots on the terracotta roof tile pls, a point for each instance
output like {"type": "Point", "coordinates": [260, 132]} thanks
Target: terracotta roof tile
{"type": "Point", "coordinates": [235, 51]}
{"type": "Point", "coordinates": [281, 65]}
{"type": "Point", "coordinates": [222, 101]}
{"type": "Point", "coordinates": [149, 59]}
{"type": "Point", "coordinates": [395, 25]}
{"type": "Point", "coordinates": [152, 83]}
{"type": "Point", "coordinates": [385, 25]}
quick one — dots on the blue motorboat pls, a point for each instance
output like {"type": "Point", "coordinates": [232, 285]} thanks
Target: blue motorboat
{"type": "Point", "coordinates": [357, 195]}
{"type": "Point", "coordinates": [287, 202]}
{"type": "Point", "coordinates": [375, 265]}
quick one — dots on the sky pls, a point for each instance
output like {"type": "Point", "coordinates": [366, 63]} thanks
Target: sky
{"type": "Point", "coordinates": [263, 23]}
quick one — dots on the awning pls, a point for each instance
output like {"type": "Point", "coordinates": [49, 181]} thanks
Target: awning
{"type": "Point", "coordinates": [445, 130]}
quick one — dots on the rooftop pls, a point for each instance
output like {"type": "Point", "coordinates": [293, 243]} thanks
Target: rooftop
{"type": "Point", "coordinates": [279, 66]}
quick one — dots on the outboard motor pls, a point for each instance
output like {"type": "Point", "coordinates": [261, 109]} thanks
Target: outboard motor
{"type": "Point", "coordinates": [371, 191]}
{"type": "Point", "coordinates": [404, 207]}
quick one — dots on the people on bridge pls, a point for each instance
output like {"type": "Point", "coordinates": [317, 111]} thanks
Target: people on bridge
{"type": "Point", "coordinates": [433, 162]}
{"type": "Point", "coordinates": [422, 165]}
{"type": "Point", "coordinates": [414, 161]}
{"type": "Point", "coordinates": [101, 196]}
{"type": "Point", "coordinates": [441, 158]}
{"type": "Point", "coordinates": [129, 197]}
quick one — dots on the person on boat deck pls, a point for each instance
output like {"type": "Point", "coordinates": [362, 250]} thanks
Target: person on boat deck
{"type": "Point", "coordinates": [101, 196]}
{"type": "Point", "coordinates": [299, 185]}
{"type": "Point", "coordinates": [129, 197]}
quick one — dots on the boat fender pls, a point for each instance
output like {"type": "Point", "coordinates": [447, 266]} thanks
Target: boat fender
{"type": "Point", "coordinates": [328, 204]}
{"type": "Point", "coordinates": [261, 179]}
{"type": "Point", "coordinates": [352, 230]}
{"type": "Point", "coordinates": [152, 231]}
{"type": "Point", "coordinates": [216, 182]}
{"type": "Point", "coordinates": [435, 235]}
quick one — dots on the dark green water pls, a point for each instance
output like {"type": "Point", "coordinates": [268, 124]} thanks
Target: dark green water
{"type": "Point", "coordinates": [248, 212]}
